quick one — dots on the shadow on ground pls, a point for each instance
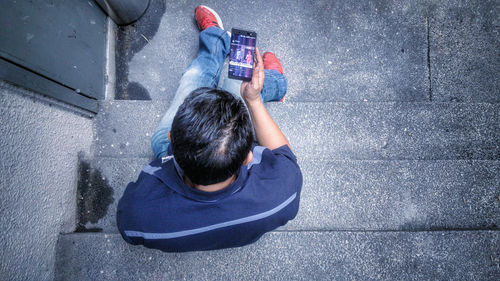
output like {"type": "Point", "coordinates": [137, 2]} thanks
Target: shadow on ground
{"type": "Point", "coordinates": [131, 39]}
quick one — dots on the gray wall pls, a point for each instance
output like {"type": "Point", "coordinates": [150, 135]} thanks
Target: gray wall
{"type": "Point", "coordinates": [39, 144]}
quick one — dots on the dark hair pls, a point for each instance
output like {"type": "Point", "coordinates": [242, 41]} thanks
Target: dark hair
{"type": "Point", "coordinates": [211, 135]}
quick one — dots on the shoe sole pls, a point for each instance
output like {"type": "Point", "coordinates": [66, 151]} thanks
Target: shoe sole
{"type": "Point", "coordinates": [219, 21]}
{"type": "Point", "coordinates": [279, 62]}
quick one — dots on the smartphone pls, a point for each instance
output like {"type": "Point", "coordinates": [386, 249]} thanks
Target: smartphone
{"type": "Point", "coordinates": [242, 54]}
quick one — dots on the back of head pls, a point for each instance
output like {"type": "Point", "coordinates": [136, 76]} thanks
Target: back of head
{"type": "Point", "coordinates": [211, 135]}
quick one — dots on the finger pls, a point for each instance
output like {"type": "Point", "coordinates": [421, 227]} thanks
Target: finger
{"type": "Point", "coordinates": [259, 66]}
{"type": "Point", "coordinates": [242, 88]}
{"type": "Point", "coordinates": [260, 63]}
{"type": "Point", "coordinates": [256, 73]}
{"type": "Point", "coordinates": [259, 57]}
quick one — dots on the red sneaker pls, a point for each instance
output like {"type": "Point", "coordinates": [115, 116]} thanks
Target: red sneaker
{"type": "Point", "coordinates": [272, 62]}
{"type": "Point", "coordinates": [206, 17]}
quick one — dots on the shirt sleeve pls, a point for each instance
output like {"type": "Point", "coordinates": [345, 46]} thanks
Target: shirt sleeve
{"type": "Point", "coordinates": [290, 174]}
{"type": "Point", "coordinates": [285, 151]}
{"type": "Point", "coordinates": [287, 163]}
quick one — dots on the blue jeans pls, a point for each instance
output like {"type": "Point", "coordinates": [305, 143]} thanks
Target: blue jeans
{"type": "Point", "coordinates": [205, 71]}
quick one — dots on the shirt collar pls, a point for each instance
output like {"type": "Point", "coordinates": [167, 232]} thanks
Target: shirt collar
{"type": "Point", "coordinates": [171, 174]}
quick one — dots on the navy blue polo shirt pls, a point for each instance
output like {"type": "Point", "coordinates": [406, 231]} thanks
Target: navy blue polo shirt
{"type": "Point", "coordinates": [160, 211]}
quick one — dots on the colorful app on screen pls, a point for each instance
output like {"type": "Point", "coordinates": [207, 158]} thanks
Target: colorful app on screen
{"type": "Point", "coordinates": [242, 53]}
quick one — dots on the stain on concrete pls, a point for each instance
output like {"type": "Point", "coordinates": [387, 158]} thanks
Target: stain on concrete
{"type": "Point", "coordinates": [94, 195]}
{"type": "Point", "coordinates": [130, 40]}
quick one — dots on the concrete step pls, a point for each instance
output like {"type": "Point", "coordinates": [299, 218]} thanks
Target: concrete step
{"type": "Point", "coordinates": [449, 255]}
{"type": "Point", "coordinates": [332, 50]}
{"type": "Point", "coordinates": [463, 51]}
{"type": "Point", "coordinates": [349, 194]}
{"type": "Point", "coordinates": [357, 130]}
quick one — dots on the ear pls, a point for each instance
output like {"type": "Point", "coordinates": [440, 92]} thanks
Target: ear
{"type": "Point", "coordinates": [169, 140]}
{"type": "Point", "coordinates": [249, 158]}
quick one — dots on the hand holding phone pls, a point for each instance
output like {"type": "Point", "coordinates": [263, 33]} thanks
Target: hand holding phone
{"type": "Point", "coordinates": [250, 90]}
{"type": "Point", "coordinates": [241, 55]}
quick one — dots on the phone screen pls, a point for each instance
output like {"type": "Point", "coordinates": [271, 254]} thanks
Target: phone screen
{"type": "Point", "coordinates": [242, 54]}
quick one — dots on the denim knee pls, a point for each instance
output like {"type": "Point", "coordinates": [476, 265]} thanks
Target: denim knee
{"type": "Point", "coordinates": [160, 143]}
{"type": "Point", "coordinates": [275, 86]}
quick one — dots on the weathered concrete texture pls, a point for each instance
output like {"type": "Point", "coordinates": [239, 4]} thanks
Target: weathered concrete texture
{"type": "Point", "coordinates": [331, 50]}
{"type": "Point", "coordinates": [130, 40]}
{"type": "Point", "coordinates": [125, 128]}
{"type": "Point", "coordinates": [39, 143]}
{"type": "Point", "coordinates": [117, 173]}
{"type": "Point", "coordinates": [399, 195]}
{"type": "Point", "coordinates": [368, 195]}
{"type": "Point", "coordinates": [464, 51]}
{"type": "Point", "coordinates": [466, 255]}
{"type": "Point", "coordinates": [335, 130]}
{"type": "Point", "coordinates": [391, 130]}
